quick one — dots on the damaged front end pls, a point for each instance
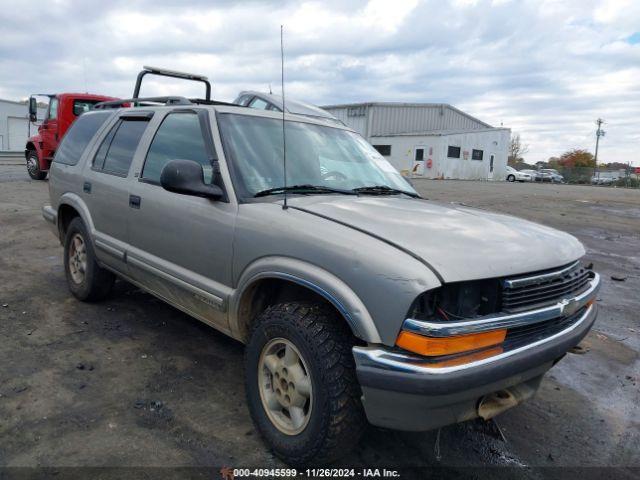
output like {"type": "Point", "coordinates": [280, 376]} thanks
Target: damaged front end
{"type": "Point", "coordinates": [478, 348]}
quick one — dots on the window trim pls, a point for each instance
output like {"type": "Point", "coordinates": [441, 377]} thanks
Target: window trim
{"type": "Point", "coordinates": [209, 145]}
{"type": "Point", "coordinates": [115, 127]}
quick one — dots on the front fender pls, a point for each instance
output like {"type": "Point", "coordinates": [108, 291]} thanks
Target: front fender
{"type": "Point", "coordinates": [324, 283]}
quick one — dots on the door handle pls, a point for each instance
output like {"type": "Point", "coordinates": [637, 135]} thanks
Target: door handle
{"type": "Point", "coordinates": [86, 187]}
{"type": "Point", "coordinates": [134, 201]}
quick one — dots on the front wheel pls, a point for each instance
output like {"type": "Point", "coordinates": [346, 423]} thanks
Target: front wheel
{"type": "Point", "coordinates": [301, 384]}
{"type": "Point", "coordinates": [33, 166]}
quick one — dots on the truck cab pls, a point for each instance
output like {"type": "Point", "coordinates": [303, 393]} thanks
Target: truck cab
{"type": "Point", "coordinates": [63, 109]}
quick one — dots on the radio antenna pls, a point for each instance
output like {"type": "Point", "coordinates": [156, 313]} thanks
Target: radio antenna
{"type": "Point", "coordinates": [284, 138]}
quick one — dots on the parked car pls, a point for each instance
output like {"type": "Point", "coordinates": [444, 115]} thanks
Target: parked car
{"type": "Point", "coordinates": [532, 173]}
{"type": "Point", "coordinates": [357, 299]}
{"type": "Point", "coordinates": [515, 175]}
{"type": "Point", "coordinates": [604, 178]}
{"type": "Point", "coordinates": [550, 175]}
{"type": "Point", "coordinates": [272, 102]}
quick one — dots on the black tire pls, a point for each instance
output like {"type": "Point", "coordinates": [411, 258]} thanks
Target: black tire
{"type": "Point", "coordinates": [97, 282]}
{"type": "Point", "coordinates": [511, 178]}
{"type": "Point", "coordinates": [33, 166]}
{"type": "Point", "coordinates": [336, 420]}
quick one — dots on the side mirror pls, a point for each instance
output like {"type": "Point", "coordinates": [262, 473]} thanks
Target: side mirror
{"type": "Point", "coordinates": [186, 177]}
{"type": "Point", "coordinates": [33, 109]}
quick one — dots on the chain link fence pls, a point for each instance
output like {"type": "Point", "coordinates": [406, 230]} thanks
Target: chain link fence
{"type": "Point", "coordinates": [625, 178]}
{"type": "Point", "coordinates": [601, 176]}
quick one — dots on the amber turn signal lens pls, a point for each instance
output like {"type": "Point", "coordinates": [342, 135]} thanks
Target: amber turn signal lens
{"type": "Point", "coordinates": [432, 346]}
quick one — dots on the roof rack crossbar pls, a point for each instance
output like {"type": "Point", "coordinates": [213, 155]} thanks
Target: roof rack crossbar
{"type": "Point", "coordinates": [170, 100]}
{"type": "Point", "coordinates": [163, 72]}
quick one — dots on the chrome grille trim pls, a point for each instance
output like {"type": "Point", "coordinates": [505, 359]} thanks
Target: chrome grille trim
{"type": "Point", "coordinates": [562, 308]}
{"type": "Point", "coordinates": [544, 277]}
{"type": "Point", "coordinates": [539, 290]}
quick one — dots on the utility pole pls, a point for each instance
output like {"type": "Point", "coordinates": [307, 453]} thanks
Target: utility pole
{"type": "Point", "coordinates": [599, 133]}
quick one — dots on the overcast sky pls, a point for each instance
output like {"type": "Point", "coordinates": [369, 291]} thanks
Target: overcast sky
{"type": "Point", "coordinates": [545, 69]}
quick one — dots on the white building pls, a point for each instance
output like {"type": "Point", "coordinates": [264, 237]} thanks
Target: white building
{"type": "Point", "coordinates": [14, 125]}
{"type": "Point", "coordinates": [430, 140]}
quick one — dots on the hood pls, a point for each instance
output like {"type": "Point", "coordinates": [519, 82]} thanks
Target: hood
{"type": "Point", "coordinates": [458, 243]}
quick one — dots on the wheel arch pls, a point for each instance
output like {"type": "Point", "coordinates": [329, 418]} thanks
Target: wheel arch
{"type": "Point", "coordinates": [69, 207]}
{"type": "Point", "coordinates": [273, 280]}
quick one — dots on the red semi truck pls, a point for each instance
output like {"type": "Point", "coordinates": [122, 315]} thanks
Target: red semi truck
{"type": "Point", "coordinates": [63, 109]}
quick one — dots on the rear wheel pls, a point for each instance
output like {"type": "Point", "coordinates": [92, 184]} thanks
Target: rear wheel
{"type": "Point", "coordinates": [33, 166]}
{"type": "Point", "coordinates": [301, 385]}
{"type": "Point", "coordinates": [511, 178]}
{"type": "Point", "coordinates": [86, 279]}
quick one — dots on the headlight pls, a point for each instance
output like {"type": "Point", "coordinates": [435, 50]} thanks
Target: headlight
{"type": "Point", "coordinates": [460, 300]}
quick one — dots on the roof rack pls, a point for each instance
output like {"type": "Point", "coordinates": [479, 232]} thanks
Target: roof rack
{"type": "Point", "coordinates": [163, 72]}
{"type": "Point", "coordinates": [155, 101]}
{"type": "Point", "coordinates": [143, 102]}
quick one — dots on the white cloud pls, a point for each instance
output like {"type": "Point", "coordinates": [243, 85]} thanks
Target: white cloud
{"type": "Point", "coordinates": [545, 68]}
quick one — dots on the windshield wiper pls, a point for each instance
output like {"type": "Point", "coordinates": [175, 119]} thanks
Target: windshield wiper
{"type": "Point", "coordinates": [383, 190]}
{"type": "Point", "coordinates": [303, 189]}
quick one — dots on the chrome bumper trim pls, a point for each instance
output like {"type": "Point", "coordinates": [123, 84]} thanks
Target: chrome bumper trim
{"type": "Point", "coordinates": [495, 322]}
{"type": "Point", "coordinates": [382, 359]}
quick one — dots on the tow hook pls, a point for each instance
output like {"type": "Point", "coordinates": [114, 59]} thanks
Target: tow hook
{"type": "Point", "coordinates": [495, 403]}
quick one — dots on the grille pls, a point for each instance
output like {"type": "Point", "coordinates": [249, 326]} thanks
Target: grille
{"type": "Point", "coordinates": [527, 292]}
{"type": "Point", "coordinates": [536, 331]}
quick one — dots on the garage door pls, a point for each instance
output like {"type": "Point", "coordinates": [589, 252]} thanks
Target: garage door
{"type": "Point", "coordinates": [17, 130]}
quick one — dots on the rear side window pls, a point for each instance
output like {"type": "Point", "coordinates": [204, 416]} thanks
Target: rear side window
{"type": "Point", "coordinates": [117, 149]}
{"type": "Point", "coordinates": [79, 136]}
{"type": "Point", "coordinates": [259, 104]}
{"type": "Point", "coordinates": [83, 106]}
{"type": "Point", "coordinates": [179, 137]}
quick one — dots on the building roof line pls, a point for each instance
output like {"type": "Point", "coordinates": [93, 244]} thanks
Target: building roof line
{"type": "Point", "coordinates": [408, 104]}
{"type": "Point", "coordinates": [441, 133]}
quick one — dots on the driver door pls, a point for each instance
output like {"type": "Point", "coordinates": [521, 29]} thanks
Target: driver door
{"type": "Point", "coordinates": [181, 245]}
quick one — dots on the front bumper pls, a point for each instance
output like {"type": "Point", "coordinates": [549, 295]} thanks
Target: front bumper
{"type": "Point", "coordinates": [409, 392]}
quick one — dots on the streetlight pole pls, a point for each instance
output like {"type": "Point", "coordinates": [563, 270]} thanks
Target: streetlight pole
{"type": "Point", "coordinates": [599, 133]}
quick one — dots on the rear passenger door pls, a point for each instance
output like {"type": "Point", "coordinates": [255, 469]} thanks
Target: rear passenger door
{"type": "Point", "coordinates": [181, 245]}
{"type": "Point", "coordinates": [106, 187]}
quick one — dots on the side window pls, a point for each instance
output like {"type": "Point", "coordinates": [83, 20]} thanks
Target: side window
{"type": "Point", "coordinates": [79, 136]}
{"type": "Point", "coordinates": [117, 149]}
{"type": "Point", "coordinates": [82, 106]}
{"type": "Point", "coordinates": [179, 137]}
{"type": "Point", "coordinates": [453, 152]}
{"type": "Point", "coordinates": [244, 100]}
{"type": "Point", "coordinates": [259, 104]}
{"type": "Point", "coordinates": [52, 113]}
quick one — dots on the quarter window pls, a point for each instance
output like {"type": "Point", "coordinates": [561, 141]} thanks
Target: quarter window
{"type": "Point", "coordinates": [179, 137]}
{"type": "Point", "coordinates": [117, 149]}
{"type": "Point", "coordinates": [453, 152]}
{"type": "Point", "coordinates": [476, 154]}
{"type": "Point", "coordinates": [79, 136]}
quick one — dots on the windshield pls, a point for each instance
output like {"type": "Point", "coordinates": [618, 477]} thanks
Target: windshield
{"type": "Point", "coordinates": [316, 155]}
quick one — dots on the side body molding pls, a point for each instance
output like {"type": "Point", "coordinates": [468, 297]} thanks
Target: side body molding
{"type": "Point", "coordinates": [324, 283]}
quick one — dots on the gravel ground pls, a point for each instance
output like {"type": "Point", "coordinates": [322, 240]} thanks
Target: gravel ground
{"type": "Point", "coordinates": [133, 382]}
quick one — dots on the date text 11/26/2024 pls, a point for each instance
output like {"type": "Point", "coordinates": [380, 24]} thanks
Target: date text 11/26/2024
{"type": "Point", "coordinates": [233, 473]}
